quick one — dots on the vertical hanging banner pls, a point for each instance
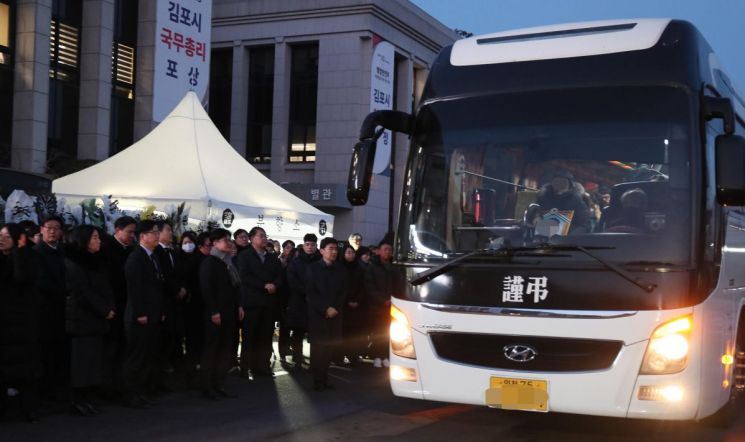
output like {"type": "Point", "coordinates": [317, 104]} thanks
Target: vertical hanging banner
{"type": "Point", "coordinates": [381, 98]}
{"type": "Point", "coordinates": [183, 29]}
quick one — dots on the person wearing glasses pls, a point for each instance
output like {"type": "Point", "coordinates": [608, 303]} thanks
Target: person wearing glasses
{"type": "Point", "coordinates": [55, 345]}
{"type": "Point", "coordinates": [221, 289]}
{"type": "Point", "coordinates": [261, 278]}
{"type": "Point", "coordinates": [143, 315]}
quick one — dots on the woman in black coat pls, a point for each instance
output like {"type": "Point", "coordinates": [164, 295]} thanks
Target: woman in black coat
{"type": "Point", "coordinates": [187, 267]}
{"type": "Point", "coordinates": [20, 357]}
{"type": "Point", "coordinates": [90, 307]}
{"type": "Point", "coordinates": [354, 326]}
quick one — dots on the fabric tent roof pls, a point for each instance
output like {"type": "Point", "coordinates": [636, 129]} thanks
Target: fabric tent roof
{"type": "Point", "coordinates": [185, 158]}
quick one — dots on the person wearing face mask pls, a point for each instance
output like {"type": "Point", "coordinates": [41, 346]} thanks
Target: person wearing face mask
{"type": "Point", "coordinates": [189, 259]}
{"type": "Point", "coordinates": [564, 194]}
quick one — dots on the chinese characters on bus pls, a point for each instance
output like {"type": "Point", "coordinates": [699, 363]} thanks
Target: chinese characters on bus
{"type": "Point", "coordinates": [514, 288]}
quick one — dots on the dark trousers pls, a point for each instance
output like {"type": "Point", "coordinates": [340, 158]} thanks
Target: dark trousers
{"type": "Point", "coordinates": [217, 355]}
{"type": "Point", "coordinates": [194, 335]}
{"type": "Point", "coordinates": [354, 335]}
{"type": "Point", "coordinates": [380, 323]}
{"type": "Point", "coordinates": [284, 343]}
{"type": "Point", "coordinates": [142, 360]}
{"type": "Point", "coordinates": [325, 335]}
{"type": "Point", "coordinates": [296, 344]}
{"type": "Point", "coordinates": [28, 395]}
{"type": "Point", "coordinates": [55, 359]}
{"type": "Point", "coordinates": [256, 348]}
{"type": "Point", "coordinates": [114, 355]}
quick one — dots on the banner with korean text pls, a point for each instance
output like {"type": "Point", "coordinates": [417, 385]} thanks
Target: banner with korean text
{"type": "Point", "coordinates": [381, 98]}
{"type": "Point", "coordinates": [183, 29]}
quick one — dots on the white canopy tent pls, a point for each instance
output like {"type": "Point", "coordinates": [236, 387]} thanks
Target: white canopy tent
{"type": "Point", "coordinates": [186, 159]}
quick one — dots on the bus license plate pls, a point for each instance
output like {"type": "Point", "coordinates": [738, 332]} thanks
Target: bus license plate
{"type": "Point", "coordinates": [517, 394]}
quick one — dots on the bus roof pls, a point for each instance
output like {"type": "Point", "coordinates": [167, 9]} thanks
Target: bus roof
{"type": "Point", "coordinates": [559, 41]}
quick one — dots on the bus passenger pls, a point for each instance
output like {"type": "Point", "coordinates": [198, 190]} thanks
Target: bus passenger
{"type": "Point", "coordinates": [564, 194]}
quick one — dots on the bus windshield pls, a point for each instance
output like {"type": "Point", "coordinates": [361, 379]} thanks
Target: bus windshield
{"type": "Point", "coordinates": [597, 166]}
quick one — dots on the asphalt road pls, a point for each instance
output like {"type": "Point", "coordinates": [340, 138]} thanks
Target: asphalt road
{"type": "Point", "coordinates": [361, 407]}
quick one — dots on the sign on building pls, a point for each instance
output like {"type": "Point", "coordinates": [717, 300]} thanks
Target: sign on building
{"type": "Point", "coordinates": [183, 29]}
{"type": "Point", "coordinates": [381, 98]}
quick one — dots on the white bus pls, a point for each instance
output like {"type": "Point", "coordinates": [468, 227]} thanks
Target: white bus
{"type": "Point", "coordinates": [572, 229]}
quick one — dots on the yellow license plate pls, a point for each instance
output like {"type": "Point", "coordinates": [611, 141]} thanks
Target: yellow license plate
{"type": "Point", "coordinates": [517, 394]}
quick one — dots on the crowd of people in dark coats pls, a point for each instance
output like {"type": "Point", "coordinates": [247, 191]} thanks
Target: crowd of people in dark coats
{"type": "Point", "coordinates": [90, 318]}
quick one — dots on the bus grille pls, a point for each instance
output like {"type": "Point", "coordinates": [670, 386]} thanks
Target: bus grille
{"type": "Point", "coordinates": [551, 354]}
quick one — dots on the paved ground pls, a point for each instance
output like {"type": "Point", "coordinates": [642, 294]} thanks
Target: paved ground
{"type": "Point", "coordinates": [362, 407]}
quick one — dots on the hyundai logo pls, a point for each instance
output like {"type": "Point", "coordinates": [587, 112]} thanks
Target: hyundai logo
{"type": "Point", "coordinates": [519, 352]}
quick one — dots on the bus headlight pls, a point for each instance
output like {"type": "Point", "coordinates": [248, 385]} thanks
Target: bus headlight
{"type": "Point", "coordinates": [667, 351]}
{"type": "Point", "coordinates": [402, 342]}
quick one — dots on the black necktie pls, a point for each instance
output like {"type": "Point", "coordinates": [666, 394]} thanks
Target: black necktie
{"type": "Point", "coordinates": [155, 263]}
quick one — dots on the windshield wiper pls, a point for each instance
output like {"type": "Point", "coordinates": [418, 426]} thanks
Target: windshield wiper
{"type": "Point", "coordinates": [436, 271]}
{"type": "Point", "coordinates": [432, 273]}
{"type": "Point", "coordinates": [620, 271]}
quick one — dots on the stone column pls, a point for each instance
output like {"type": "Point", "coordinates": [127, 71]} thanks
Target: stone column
{"type": "Point", "coordinates": [239, 98]}
{"type": "Point", "coordinates": [31, 86]}
{"type": "Point", "coordinates": [145, 75]}
{"type": "Point", "coordinates": [95, 79]}
{"type": "Point", "coordinates": [281, 115]}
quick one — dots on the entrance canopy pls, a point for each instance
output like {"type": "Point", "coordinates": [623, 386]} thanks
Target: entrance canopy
{"type": "Point", "coordinates": [186, 159]}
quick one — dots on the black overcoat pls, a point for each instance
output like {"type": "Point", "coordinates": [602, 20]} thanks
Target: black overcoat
{"type": "Point", "coordinates": [255, 275]}
{"type": "Point", "coordinates": [219, 293]}
{"type": "Point", "coordinates": [52, 290]}
{"type": "Point", "coordinates": [145, 288]}
{"type": "Point", "coordinates": [297, 307]}
{"type": "Point", "coordinates": [87, 282]}
{"type": "Point", "coordinates": [20, 357]}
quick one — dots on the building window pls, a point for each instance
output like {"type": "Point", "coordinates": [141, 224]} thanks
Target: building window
{"type": "Point", "coordinates": [5, 33]}
{"type": "Point", "coordinates": [303, 99]}
{"type": "Point", "coordinates": [123, 74]}
{"type": "Point", "coordinates": [221, 84]}
{"type": "Point", "coordinates": [64, 83]}
{"type": "Point", "coordinates": [6, 81]}
{"type": "Point", "coordinates": [260, 105]}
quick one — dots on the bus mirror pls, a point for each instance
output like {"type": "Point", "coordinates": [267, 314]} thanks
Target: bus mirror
{"type": "Point", "coordinates": [715, 107]}
{"type": "Point", "coordinates": [396, 121]}
{"type": "Point", "coordinates": [730, 161]}
{"type": "Point", "coordinates": [360, 171]}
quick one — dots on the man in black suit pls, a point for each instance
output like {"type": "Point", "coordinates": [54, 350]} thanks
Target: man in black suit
{"type": "Point", "coordinates": [221, 290]}
{"type": "Point", "coordinates": [327, 285]}
{"type": "Point", "coordinates": [143, 315]}
{"type": "Point", "coordinates": [172, 330]}
{"type": "Point", "coordinates": [114, 251]}
{"type": "Point", "coordinates": [55, 347]}
{"type": "Point", "coordinates": [261, 277]}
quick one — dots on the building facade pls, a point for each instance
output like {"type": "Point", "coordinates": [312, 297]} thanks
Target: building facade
{"type": "Point", "coordinates": [290, 83]}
